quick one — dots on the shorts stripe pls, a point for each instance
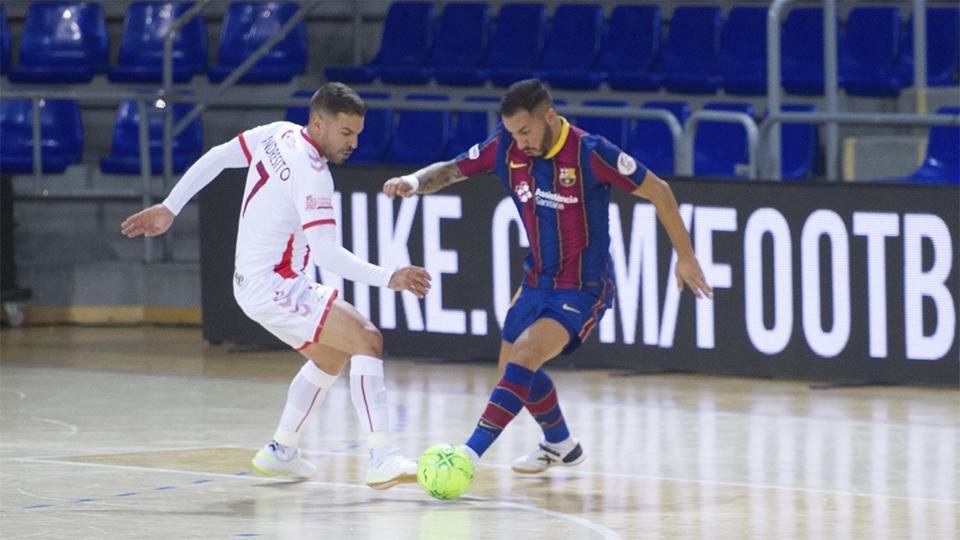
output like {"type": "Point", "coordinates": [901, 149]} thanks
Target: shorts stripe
{"type": "Point", "coordinates": [588, 326]}
{"type": "Point", "coordinates": [323, 319]}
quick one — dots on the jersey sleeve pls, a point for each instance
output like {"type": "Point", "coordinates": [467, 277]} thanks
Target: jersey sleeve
{"type": "Point", "coordinates": [311, 188]}
{"type": "Point", "coordinates": [250, 138]}
{"type": "Point", "coordinates": [480, 158]}
{"type": "Point", "coordinates": [613, 166]}
{"type": "Point", "coordinates": [229, 155]}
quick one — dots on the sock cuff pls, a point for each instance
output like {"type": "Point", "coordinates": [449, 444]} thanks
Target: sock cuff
{"type": "Point", "coordinates": [366, 365]}
{"type": "Point", "coordinates": [287, 438]}
{"type": "Point", "coordinates": [518, 374]}
{"type": "Point", "coordinates": [317, 376]}
{"type": "Point", "coordinates": [542, 384]}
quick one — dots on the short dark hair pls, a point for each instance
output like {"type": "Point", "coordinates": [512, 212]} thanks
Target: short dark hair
{"type": "Point", "coordinates": [334, 98]}
{"type": "Point", "coordinates": [527, 95]}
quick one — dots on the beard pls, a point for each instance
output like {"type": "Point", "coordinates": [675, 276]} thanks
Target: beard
{"type": "Point", "coordinates": [544, 146]}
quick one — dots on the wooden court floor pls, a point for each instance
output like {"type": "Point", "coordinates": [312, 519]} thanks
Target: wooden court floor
{"type": "Point", "coordinates": [148, 433]}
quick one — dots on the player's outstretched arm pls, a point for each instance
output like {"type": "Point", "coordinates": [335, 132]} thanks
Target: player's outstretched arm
{"type": "Point", "coordinates": [688, 269]}
{"type": "Point", "coordinates": [429, 179]}
{"type": "Point", "coordinates": [151, 221]}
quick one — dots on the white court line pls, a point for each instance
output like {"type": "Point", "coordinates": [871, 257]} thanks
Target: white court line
{"type": "Point", "coordinates": [603, 531]}
{"type": "Point", "coordinates": [567, 400]}
{"type": "Point", "coordinates": [577, 472]}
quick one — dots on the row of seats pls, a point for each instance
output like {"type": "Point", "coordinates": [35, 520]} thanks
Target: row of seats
{"type": "Point", "coordinates": [61, 138]}
{"type": "Point", "coordinates": [419, 137]}
{"type": "Point", "coordinates": [701, 53]}
{"type": "Point", "coordinates": [67, 42]}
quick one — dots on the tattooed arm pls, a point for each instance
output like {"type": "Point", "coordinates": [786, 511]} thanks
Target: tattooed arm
{"type": "Point", "coordinates": [429, 179]}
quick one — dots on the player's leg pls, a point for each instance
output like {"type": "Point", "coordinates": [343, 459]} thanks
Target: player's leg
{"type": "Point", "coordinates": [305, 395]}
{"type": "Point", "coordinates": [541, 341]}
{"type": "Point", "coordinates": [346, 329]}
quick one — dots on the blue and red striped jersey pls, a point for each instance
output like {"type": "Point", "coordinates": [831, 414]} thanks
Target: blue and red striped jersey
{"type": "Point", "coordinates": [563, 200]}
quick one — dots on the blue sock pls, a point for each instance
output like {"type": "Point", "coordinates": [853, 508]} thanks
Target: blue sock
{"type": "Point", "coordinates": [545, 408]}
{"type": "Point", "coordinates": [505, 402]}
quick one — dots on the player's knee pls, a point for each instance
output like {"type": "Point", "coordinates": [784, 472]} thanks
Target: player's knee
{"type": "Point", "coordinates": [371, 341]}
{"type": "Point", "coordinates": [524, 355]}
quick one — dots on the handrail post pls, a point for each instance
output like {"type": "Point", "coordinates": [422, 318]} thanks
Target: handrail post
{"type": "Point", "coordinates": [772, 162]}
{"type": "Point", "coordinates": [830, 84]}
{"type": "Point", "coordinates": [305, 9]}
{"type": "Point", "coordinates": [920, 54]}
{"type": "Point", "coordinates": [143, 138]}
{"type": "Point", "coordinates": [35, 104]}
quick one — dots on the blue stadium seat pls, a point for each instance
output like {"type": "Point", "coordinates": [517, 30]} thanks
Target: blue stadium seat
{"type": "Point", "coordinates": [406, 44]}
{"type": "Point", "coordinates": [377, 131]}
{"type": "Point", "coordinates": [296, 114]}
{"type": "Point", "coordinates": [572, 47]}
{"type": "Point", "coordinates": [742, 61]}
{"type": "Point", "coordinates": [63, 42]}
{"type": "Point", "coordinates": [719, 147]}
{"type": "Point", "coordinates": [247, 26]}
{"type": "Point", "coordinates": [614, 129]}
{"type": "Point", "coordinates": [61, 135]}
{"type": "Point", "coordinates": [124, 157]}
{"type": "Point", "coordinates": [517, 43]}
{"type": "Point", "coordinates": [631, 46]}
{"type": "Point", "coordinates": [651, 142]}
{"type": "Point", "coordinates": [798, 146]}
{"type": "Point", "coordinates": [869, 51]}
{"type": "Point", "coordinates": [420, 137]}
{"type": "Point", "coordinates": [4, 41]}
{"type": "Point", "coordinates": [801, 64]}
{"type": "Point", "coordinates": [462, 41]}
{"type": "Point", "coordinates": [688, 60]}
{"type": "Point", "coordinates": [141, 47]}
{"type": "Point", "coordinates": [941, 165]}
{"type": "Point", "coordinates": [943, 49]}
{"type": "Point", "coordinates": [404, 49]}
{"type": "Point", "coordinates": [470, 128]}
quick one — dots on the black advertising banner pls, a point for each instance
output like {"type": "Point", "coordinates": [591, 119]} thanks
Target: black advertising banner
{"type": "Point", "coordinates": [830, 282]}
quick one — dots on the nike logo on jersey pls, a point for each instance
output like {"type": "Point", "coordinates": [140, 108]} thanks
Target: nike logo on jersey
{"type": "Point", "coordinates": [514, 165]}
{"type": "Point", "coordinates": [568, 308]}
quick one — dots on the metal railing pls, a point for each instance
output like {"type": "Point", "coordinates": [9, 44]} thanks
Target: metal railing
{"type": "Point", "coordinates": [831, 91]}
{"type": "Point", "coordinates": [685, 152]}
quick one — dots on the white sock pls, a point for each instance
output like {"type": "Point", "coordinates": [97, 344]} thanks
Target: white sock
{"type": "Point", "coordinates": [306, 393]}
{"type": "Point", "coordinates": [474, 457]}
{"type": "Point", "coordinates": [369, 395]}
{"type": "Point", "coordinates": [563, 447]}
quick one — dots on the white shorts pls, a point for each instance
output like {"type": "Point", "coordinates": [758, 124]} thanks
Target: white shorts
{"type": "Point", "coordinates": [294, 309]}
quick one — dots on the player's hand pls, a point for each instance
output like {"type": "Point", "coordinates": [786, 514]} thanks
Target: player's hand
{"type": "Point", "coordinates": [152, 221]}
{"type": "Point", "coordinates": [688, 272]}
{"type": "Point", "coordinates": [411, 278]}
{"type": "Point", "coordinates": [398, 186]}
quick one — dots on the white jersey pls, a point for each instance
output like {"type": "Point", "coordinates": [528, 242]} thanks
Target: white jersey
{"type": "Point", "coordinates": [289, 189]}
{"type": "Point", "coordinates": [286, 216]}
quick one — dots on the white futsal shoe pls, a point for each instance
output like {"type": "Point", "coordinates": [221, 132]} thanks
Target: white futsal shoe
{"type": "Point", "coordinates": [546, 456]}
{"type": "Point", "coordinates": [273, 461]}
{"type": "Point", "coordinates": [394, 469]}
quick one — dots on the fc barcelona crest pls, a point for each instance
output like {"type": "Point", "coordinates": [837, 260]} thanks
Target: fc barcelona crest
{"type": "Point", "coordinates": [567, 176]}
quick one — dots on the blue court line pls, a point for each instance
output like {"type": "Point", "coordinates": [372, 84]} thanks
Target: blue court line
{"type": "Point", "coordinates": [124, 494]}
{"type": "Point", "coordinates": [245, 535]}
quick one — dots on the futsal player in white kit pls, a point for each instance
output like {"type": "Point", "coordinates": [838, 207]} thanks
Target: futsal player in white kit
{"type": "Point", "coordinates": [285, 218]}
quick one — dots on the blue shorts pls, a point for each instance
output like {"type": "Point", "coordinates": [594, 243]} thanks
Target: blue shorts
{"type": "Point", "coordinates": [577, 310]}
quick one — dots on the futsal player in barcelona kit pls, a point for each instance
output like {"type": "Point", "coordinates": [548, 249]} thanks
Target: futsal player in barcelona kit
{"type": "Point", "coordinates": [560, 179]}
